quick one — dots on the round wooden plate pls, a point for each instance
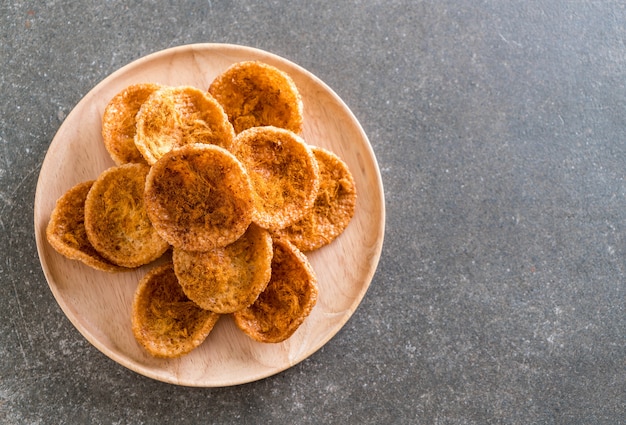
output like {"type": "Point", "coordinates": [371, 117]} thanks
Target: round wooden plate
{"type": "Point", "coordinates": [98, 303]}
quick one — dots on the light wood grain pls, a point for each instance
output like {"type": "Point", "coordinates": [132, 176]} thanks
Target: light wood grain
{"type": "Point", "coordinates": [98, 303]}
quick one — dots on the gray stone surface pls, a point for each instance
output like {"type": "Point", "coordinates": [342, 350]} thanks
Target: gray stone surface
{"type": "Point", "coordinates": [500, 131]}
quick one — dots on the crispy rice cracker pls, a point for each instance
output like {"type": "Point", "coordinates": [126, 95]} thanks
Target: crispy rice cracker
{"type": "Point", "coordinates": [288, 299]}
{"type": "Point", "coordinates": [283, 171]}
{"type": "Point", "coordinates": [256, 94]}
{"type": "Point", "coordinates": [199, 197]}
{"type": "Point", "coordinates": [176, 116]}
{"type": "Point", "coordinates": [66, 230]}
{"type": "Point", "coordinates": [119, 124]}
{"type": "Point", "coordinates": [164, 321]}
{"type": "Point", "coordinates": [227, 279]}
{"type": "Point", "coordinates": [116, 220]}
{"type": "Point", "coordinates": [333, 208]}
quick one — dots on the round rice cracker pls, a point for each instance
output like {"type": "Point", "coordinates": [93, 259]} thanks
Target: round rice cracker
{"type": "Point", "coordinates": [116, 220]}
{"type": "Point", "coordinates": [333, 208]}
{"type": "Point", "coordinates": [66, 230]}
{"type": "Point", "coordinates": [119, 124]}
{"type": "Point", "coordinates": [176, 116]}
{"type": "Point", "coordinates": [255, 94]}
{"type": "Point", "coordinates": [199, 197]}
{"type": "Point", "coordinates": [164, 321]}
{"type": "Point", "coordinates": [283, 171]}
{"type": "Point", "coordinates": [227, 279]}
{"type": "Point", "coordinates": [287, 300]}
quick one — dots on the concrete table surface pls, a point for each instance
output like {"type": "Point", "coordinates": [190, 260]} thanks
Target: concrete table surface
{"type": "Point", "coordinates": [500, 132]}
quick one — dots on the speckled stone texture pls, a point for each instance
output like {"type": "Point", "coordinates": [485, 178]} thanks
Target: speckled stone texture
{"type": "Point", "coordinates": [500, 131]}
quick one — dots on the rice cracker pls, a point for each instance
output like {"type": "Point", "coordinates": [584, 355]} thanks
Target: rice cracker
{"type": "Point", "coordinates": [199, 197]}
{"type": "Point", "coordinates": [283, 171]}
{"type": "Point", "coordinates": [164, 321]}
{"type": "Point", "coordinates": [66, 230]}
{"type": "Point", "coordinates": [288, 299]}
{"type": "Point", "coordinates": [227, 279]}
{"type": "Point", "coordinates": [333, 208]}
{"type": "Point", "coordinates": [176, 116]}
{"type": "Point", "coordinates": [116, 220]}
{"type": "Point", "coordinates": [256, 94]}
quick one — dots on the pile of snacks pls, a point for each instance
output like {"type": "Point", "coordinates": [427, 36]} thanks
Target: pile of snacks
{"type": "Point", "coordinates": [224, 180]}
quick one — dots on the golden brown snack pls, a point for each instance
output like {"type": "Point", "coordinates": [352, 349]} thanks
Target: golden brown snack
{"type": "Point", "coordinates": [227, 279]}
{"type": "Point", "coordinates": [116, 220]}
{"type": "Point", "coordinates": [333, 208]}
{"type": "Point", "coordinates": [199, 197]}
{"type": "Point", "coordinates": [164, 321]}
{"type": "Point", "coordinates": [176, 116]}
{"type": "Point", "coordinates": [288, 299]}
{"type": "Point", "coordinates": [283, 171]}
{"type": "Point", "coordinates": [66, 230]}
{"type": "Point", "coordinates": [119, 124]}
{"type": "Point", "coordinates": [256, 94]}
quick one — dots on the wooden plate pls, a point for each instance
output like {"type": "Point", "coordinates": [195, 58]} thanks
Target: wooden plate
{"type": "Point", "coordinates": [98, 303]}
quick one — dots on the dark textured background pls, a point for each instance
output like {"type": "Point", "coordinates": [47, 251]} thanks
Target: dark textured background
{"type": "Point", "coordinates": [500, 131]}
